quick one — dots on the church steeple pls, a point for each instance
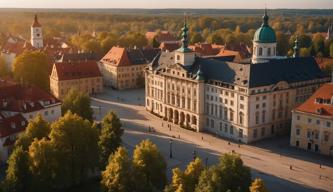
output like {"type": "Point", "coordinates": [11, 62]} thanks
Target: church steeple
{"type": "Point", "coordinates": [184, 40]}
{"type": "Point", "coordinates": [184, 55]}
{"type": "Point", "coordinates": [36, 34]}
{"type": "Point", "coordinates": [296, 48]}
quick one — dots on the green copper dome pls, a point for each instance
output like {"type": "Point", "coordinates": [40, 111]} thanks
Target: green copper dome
{"type": "Point", "coordinates": [265, 34]}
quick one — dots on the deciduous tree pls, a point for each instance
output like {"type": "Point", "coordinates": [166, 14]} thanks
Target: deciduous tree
{"type": "Point", "coordinates": [36, 129]}
{"type": "Point", "coordinates": [18, 173]}
{"type": "Point", "coordinates": [149, 166]}
{"type": "Point", "coordinates": [77, 102]}
{"type": "Point", "coordinates": [32, 67]}
{"type": "Point", "coordinates": [118, 173]}
{"type": "Point", "coordinates": [258, 186]}
{"type": "Point", "coordinates": [110, 136]}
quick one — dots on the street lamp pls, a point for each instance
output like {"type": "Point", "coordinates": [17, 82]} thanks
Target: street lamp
{"type": "Point", "coordinates": [170, 154]}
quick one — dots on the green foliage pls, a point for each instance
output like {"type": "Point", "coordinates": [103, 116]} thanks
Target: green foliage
{"type": "Point", "coordinates": [229, 174]}
{"type": "Point", "coordinates": [36, 129]}
{"type": "Point", "coordinates": [282, 47]}
{"type": "Point", "coordinates": [196, 38]}
{"type": "Point", "coordinates": [17, 174]}
{"type": "Point", "coordinates": [77, 102]}
{"type": "Point", "coordinates": [45, 165]}
{"type": "Point", "coordinates": [32, 67]}
{"type": "Point", "coordinates": [118, 173]}
{"type": "Point", "coordinates": [318, 44]}
{"type": "Point", "coordinates": [4, 71]}
{"type": "Point", "coordinates": [258, 186]}
{"type": "Point", "coordinates": [155, 43]}
{"type": "Point", "coordinates": [186, 181]}
{"type": "Point", "coordinates": [110, 137]}
{"type": "Point", "coordinates": [149, 167]}
{"type": "Point", "coordinates": [210, 180]}
{"type": "Point", "coordinates": [305, 52]}
{"type": "Point", "coordinates": [76, 139]}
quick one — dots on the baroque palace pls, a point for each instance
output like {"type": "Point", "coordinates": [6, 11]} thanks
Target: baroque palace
{"type": "Point", "coordinates": [247, 100]}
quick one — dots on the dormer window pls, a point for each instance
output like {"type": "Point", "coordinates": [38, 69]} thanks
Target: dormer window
{"type": "Point", "coordinates": [13, 125]}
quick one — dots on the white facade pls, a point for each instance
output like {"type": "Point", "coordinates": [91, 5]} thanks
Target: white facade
{"type": "Point", "coordinates": [263, 51]}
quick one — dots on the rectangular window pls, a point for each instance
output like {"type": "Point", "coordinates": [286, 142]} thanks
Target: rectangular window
{"type": "Point", "coordinates": [231, 130]}
{"type": "Point", "coordinates": [255, 133]}
{"type": "Point", "coordinates": [298, 131]}
{"type": "Point", "coordinates": [225, 128]}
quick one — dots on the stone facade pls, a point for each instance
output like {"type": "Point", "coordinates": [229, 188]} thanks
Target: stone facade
{"type": "Point", "coordinates": [244, 101]}
{"type": "Point", "coordinates": [312, 122]}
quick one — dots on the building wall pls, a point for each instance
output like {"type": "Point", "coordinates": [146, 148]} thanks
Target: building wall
{"type": "Point", "coordinates": [240, 113]}
{"type": "Point", "coordinates": [88, 85]}
{"type": "Point", "coordinates": [175, 98]}
{"type": "Point", "coordinates": [9, 59]}
{"type": "Point", "coordinates": [312, 132]}
{"type": "Point", "coordinates": [49, 113]}
{"type": "Point", "coordinates": [123, 77]}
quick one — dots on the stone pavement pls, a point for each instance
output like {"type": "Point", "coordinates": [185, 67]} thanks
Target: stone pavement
{"type": "Point", "coordinates": [269, 160]}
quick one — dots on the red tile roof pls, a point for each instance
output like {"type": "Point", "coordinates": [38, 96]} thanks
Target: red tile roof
{"type": "Point", "coordinates": [36, 23]}
{"type": "Point", "coordinates": [169, 46]}
{"type": "Point", "coordinates": [20, 98]}
{"type": "Point", "coordinates": [206, 49]}
{"type": "Point", "coordinates": [12, 125]}
{"type": "Point", "coordinates": [124, 57]}
{"type": "Point", "coordinates": [117, 56]}
{"type": "Point", "coordinates": [320, 103]}
{"type": "Point", "coordinates": [77, 70]}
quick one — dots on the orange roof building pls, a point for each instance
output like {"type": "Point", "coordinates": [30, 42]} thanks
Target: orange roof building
{"type": "Point", "coordinates": [123, 68]}
{"type": "Point", "coordinates": [312, 122]}
{"type": "Point", "coordinates": [84, 76]}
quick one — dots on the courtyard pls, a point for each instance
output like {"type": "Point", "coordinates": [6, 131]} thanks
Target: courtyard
{"type": "Point", "coordinates": [282, 167]}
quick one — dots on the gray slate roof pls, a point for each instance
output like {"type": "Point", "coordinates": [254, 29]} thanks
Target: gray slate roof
{"type": "Point", "coordinates": [246, 74]}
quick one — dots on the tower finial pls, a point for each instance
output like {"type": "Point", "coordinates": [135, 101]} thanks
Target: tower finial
{"type": "Point", "coordinates": [265, 18]}
{"type": "Point", "coordinates": [185, 34]}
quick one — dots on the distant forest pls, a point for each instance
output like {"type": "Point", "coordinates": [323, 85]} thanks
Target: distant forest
{"type": "Point", "coordinates": [126, 27]}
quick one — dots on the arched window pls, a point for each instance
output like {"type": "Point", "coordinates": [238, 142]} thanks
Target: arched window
{"type": "Point", "coordinates": [260, 51]}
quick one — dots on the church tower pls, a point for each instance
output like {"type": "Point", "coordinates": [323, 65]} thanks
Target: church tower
{"type": "Point", "coordinates": [264, 42]}
{"type": "Point", "coordinates": [184, 55]}
{"type": "Point", "coordinates": [36, 34]}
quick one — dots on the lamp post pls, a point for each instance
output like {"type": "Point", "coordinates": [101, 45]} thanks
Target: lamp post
{"type": "Point", "coordinates": [170, 154]}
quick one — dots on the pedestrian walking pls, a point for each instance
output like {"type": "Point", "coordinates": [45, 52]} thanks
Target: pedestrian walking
{"type": "Point", "coordinates": [178, 136]}
{"type": "Point", "coordinates": [319, 165]}
{"type": "Point", "coordinates": [291, 167]}
{"type": "Point", "coordinates": [228, 142]}
{"type": "Point", "coordinates": [201, 137]}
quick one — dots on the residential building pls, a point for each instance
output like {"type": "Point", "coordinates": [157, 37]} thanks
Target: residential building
{"type": "Point", "coordinates": [160, 37]}
{"type": "Point", "coordinates": [246, 101]}
{"type": "Point", "coordinates": [10, 127]}
{"type": "Point", "coordinates": [312, 122]}
{"type": "Point", "coordinates": [123, 68]}
{"type": "Point", "coordinates": [84, 76]}
{"type": "Point", "coordinates": [18, 105]}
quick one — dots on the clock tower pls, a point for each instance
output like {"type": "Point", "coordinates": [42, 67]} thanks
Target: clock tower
{"type": "Point", "coordinates": [36, 34]}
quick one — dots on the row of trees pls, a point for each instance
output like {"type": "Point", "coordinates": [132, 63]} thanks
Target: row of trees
{"type": "Point", "coordinates": [65, 153]}
{"type": "Point", "coordinates": [146, 171]}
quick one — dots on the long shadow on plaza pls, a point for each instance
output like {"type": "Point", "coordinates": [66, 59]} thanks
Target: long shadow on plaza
{"type": "Point", "coordinates": [280, 145]}
{"type": "Point", "coordinates": [182, 152]}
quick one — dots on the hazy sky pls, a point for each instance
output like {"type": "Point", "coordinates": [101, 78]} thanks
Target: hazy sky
{"type": "Point", "coordinates": [256, 4]}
